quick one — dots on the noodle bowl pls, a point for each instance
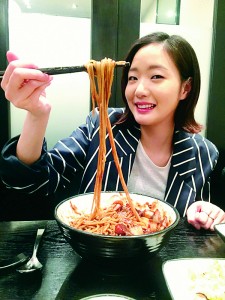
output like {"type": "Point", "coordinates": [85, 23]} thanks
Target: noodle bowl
{"type": "Point", "coordinates": [101, 247]}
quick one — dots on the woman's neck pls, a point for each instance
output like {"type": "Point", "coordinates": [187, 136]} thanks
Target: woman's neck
{"type": "Point", "coordinates": [158, 144]}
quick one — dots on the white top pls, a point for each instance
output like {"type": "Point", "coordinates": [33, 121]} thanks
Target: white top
{"type": "Point", "coordinates": [147, 178]}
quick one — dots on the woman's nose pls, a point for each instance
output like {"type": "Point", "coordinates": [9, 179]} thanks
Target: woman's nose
{"type": "Point", "coordinates": [142, 89]}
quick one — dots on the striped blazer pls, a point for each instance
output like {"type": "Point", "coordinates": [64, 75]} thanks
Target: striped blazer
{"type": "Point", "coordinates": [193, 160]}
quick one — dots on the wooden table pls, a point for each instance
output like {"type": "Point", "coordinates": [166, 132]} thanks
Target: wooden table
{"type": "Point", "coordinates": [66, 276]}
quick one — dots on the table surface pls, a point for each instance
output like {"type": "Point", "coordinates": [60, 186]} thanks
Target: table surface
{"type": "Point", "coordinates": [66, 276]}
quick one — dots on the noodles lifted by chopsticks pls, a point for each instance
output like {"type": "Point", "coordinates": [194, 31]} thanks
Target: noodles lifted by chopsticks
{"type": "Point", "coordinates": [101, 79]}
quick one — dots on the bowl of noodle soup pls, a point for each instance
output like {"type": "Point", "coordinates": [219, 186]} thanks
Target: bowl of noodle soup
{"type": "Point", "coordinates": [115, 234]}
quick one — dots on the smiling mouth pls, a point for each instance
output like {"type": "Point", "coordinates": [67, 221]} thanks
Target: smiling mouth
{"type": "Point", "coordinates": [145, 106]}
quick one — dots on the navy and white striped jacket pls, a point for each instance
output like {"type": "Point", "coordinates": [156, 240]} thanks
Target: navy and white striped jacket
{"type": "Point", "coordinates": [193, 160]}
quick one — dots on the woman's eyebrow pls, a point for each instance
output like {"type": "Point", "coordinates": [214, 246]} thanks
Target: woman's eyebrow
{"type": "Point", "coordinates": [151, 67]}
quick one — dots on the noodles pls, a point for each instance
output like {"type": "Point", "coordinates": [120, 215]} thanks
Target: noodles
{"type": "Point", "coordinates": [101, 78]}
{"type": "Point", "coordinates": [121, 216]}
{"type": "Point", "coordinates": [117, 219]}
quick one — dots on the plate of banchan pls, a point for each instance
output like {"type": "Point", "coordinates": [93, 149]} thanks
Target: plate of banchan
{"type": "Point", "coordinates": [195, 278]}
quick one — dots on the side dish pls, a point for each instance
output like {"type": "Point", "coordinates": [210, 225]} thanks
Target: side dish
{"type": "Point", "coordinates": [208, 281]}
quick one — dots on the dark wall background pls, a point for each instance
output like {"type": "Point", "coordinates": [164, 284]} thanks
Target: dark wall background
{"type": "Point", "coordinates": [113, 33]}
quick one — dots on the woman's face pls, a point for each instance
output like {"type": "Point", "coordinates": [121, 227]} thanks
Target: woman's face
{"type": "Point", "coordinates": [154, 87]}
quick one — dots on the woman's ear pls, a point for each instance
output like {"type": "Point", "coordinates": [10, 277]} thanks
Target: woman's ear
{"type": "Point", "coordinates": [186, 88]}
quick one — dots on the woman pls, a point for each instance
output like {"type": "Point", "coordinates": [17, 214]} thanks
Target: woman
{"type": "Point", "coordinates": [160, 150]}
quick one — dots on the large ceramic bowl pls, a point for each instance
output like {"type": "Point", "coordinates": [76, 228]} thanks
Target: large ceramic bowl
{"type": "Point", "coordinates": [105, 248]}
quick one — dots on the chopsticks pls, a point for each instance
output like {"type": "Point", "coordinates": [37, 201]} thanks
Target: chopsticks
{"type": "Point", "coordinates": [71, 69]}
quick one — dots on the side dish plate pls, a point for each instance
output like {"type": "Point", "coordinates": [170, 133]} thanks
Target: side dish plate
{"type": "Point", "coordinates": [220, 230]}
{"type": "Point", "coordinates": [186, 277]}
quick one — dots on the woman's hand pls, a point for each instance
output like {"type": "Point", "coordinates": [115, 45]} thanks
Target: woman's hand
{"type": "Point", "coordinates": [202, 214]}
{"type": "Point", "coordinates": [25, 86]}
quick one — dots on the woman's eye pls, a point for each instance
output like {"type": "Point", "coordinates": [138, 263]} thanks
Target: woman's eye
{"type": "Point", "coordinates": [132, 78]}
{"type": "Point", "coordinates": [157, 77]}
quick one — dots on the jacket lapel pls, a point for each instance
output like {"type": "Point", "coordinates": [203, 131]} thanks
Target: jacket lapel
{"type": "Point", "coordinates": [183, 166]}
{"type": "Point", "coordinates": [183, 158]}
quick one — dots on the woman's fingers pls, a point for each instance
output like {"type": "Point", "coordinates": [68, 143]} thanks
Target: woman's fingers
{"type": "Point", "coordinates": [24, 85]}
{"type": "Point", "coordinates": [23, 81]}
{"type": "Point", "coordinates": [19, 69]}
{"type": "Point", "coordinates": [11, 56]}
{"type": "Point", "coordinates": [215, 212]}
{"type": "Point", "coordinates": [204, 220]}
{"type": "Point", "coordinates": [205, 215]}
{"type": "Point", "coordinates": [220, 218]}
{"type": "Point", "coordinates": [200, 220]}
{"type": "Point", "coordinates": [32, 98]}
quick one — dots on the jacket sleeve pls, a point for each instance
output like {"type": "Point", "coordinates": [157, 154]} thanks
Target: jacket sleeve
{"type": "Point", "coordinates": [55, 169]}
{"type": "Point", "coordinates": [208, 158]}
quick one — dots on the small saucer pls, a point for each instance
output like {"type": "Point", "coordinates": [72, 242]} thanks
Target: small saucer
{"type": "Point", "coordinates": [107, 297]}
{"type": "Point", "coordinates": [220, 230]}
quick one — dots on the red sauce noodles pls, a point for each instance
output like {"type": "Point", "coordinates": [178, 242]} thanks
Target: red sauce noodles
{"type": "Point", "coordinates": [101, 79]}
{"type": "Point", "coordinates": [117, 218]}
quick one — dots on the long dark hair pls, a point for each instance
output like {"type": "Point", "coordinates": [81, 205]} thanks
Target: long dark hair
{"type": "Point", "coordinates": [184, 57]}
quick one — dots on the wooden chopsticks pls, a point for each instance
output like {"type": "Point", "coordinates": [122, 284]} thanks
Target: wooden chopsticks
{"type": "Point", "coordinates": [71, 69]}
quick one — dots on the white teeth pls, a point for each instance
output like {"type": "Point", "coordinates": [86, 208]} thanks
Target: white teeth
{"type": "Point", "coordinates": [145, 106]}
